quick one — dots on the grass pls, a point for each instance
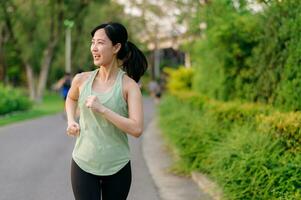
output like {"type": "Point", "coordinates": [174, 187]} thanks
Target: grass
{"type": "Point", "coordinates": [245, 163]}
{"type": "Point", "coordinates": [52, 103]}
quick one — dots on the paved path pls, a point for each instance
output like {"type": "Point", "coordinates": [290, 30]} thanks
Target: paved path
{"type": "Point", "coordinates": [159, 161]}
{"type": "Point", "coordinates": [35, 159]}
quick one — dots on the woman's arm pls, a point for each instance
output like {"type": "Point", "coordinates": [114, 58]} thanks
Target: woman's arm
{"type": "Point", "coordinates": [132, 125]}
{"type": "Point", "coordinates": [71, 105]}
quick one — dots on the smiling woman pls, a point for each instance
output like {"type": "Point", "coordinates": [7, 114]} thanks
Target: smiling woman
{"type": "Point", "coordinates": [110, 104]}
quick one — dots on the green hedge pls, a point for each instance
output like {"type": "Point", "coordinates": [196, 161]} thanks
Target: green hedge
{"type": "Point", "coordinates": [250, 56]}
{"type": "Point", "coordinates": [12, 99]}
{"type": "Point", "coordinates": [235, 144]}
{"type": "Point", "coordinates": [280, 125]}
{"type": "Point", "coordinates": [179, 79]}
{"type": "Point", "coordinates": [284, 126]}
{"type": "Point", "coordinates": [222, 59]}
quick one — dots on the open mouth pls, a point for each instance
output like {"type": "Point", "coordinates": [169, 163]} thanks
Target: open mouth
{"type": "Point", "coordinates": [96, 57]}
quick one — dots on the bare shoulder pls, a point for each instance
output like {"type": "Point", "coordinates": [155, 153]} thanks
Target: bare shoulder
{"type": "Point", "coordinates": [129, 83]}
{"type": "Point", "coordinates": [80, 78]}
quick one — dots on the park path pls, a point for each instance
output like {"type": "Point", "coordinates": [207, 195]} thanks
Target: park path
{"type": "Point", "coordinates": [35, 158]}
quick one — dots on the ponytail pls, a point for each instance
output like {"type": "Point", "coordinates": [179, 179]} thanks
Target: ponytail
{"type": "Point", "coordinates": [134, 63]}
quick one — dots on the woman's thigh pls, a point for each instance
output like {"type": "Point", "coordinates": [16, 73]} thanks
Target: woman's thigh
{"type": "Point", "coordinates": [117, 186]}
{"type": "Point", "coordinates": [84, 185]}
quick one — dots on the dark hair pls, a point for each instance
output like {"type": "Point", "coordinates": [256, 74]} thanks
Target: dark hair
{"type": "Point", "coordinates": [134, 61]}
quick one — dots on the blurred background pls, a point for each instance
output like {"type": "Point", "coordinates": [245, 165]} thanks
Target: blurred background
{"type": "Point", "coordinates": [41, 40]}
{"type": "Point", "coordinates": [232, 66]}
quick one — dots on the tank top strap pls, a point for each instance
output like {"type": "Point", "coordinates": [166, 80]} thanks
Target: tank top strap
{"type": "Point", "coordinates": [86, 88]}
{"type": "Point", "coordinates": [90, 81]}
{"type": "Point", "coordinates": [118, 85]}
{"type": "Point", "coordinates": [92, 76]}
{"type": "Point", "coordinates": [119, 77]}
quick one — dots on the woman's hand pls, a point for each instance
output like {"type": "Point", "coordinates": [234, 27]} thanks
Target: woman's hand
{"type": "Point", "coordinates": [73, 129]}
{"type": "Point", "coordinates": [93, 103]}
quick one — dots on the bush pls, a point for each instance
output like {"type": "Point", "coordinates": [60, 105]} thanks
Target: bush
{"type": "Point", "coordinates": [222, 59]}
{"type": "Point", "coordinates": [245, 162]}
{"type": "Point", "coordinates": [283, 126]}
{"type": "Point", "coordinates": [277, 56]}
{"type": "Point", "coordinates": [179, 79]}
{"type": "Point", "coordinates": [250, 56]}
{"type": "Point", "coordinates": [12, 99]}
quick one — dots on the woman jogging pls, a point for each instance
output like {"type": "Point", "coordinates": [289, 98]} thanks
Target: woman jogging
{"type": "Point", "coordinates": [110, 104]}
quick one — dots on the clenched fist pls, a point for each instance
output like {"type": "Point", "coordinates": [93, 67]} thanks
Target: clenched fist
{"type": "Point", "coordinates": [73, 129]}
{"type": "Point", "coordinates": [93, 103]}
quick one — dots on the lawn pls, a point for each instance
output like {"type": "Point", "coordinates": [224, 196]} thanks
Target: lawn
{"type": "Point", "coordinates": [52, 103]}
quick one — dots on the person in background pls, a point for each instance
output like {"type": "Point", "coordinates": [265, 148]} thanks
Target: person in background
{"type": "Point", "coordinates": [110, 104]}
{"type": "Point", "coordinates": [155, 90]}
{"type": "Point", "coordinates": [63, 85]}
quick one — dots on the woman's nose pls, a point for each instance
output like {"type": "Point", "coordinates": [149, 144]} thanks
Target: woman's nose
{"type": "Point", "coordinates": [94, 48]}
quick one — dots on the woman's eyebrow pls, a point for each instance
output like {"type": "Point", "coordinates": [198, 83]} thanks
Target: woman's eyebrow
{"type": "Point", "coordinates": [98, 39]}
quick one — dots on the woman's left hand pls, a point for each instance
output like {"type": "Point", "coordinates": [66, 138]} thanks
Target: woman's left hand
{"type": "Point", "coordinates": [93, 103]}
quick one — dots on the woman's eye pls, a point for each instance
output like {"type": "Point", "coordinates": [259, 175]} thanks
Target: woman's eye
{"type": "Point", "coordinates": [97, 42]}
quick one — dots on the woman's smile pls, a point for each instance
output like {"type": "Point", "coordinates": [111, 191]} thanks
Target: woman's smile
{"type": "Point", "coordinates": [96, 56]}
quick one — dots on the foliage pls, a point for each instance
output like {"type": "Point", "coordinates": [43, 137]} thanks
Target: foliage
{"type": "Point", "coordinates": [222, 56]}
{"type": "Point", "coordinates": [246, 55]}
{"type": "Point", "coordinates": [283, 126]}
{"type": "Point", "coordinates": [35, 35]}
{"type": "Point", "coordinates": [250, 149]}
{"type": "Point", "coordinates": [179, 79]}
{"type": "Point", "coordinates": [245, 162]}
{"type": "Point", "coordinates": [277, 56]}
{"type": "Point", "coordinates": [52, 104]}
{"type": "Point", "coordinates": [13, 99]}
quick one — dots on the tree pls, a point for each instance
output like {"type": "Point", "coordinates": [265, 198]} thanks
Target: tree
{"type": "Point", "coordinates": [3, 40]}
{"type": "Point", "coordinates": [35, 29]}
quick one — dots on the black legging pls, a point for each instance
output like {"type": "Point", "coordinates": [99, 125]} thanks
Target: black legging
{"type": "Point", "coordinates": [87, 186]}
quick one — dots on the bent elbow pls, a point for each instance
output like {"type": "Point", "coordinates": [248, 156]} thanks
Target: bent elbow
{"type": "Point", "coordinates": [138, 132]}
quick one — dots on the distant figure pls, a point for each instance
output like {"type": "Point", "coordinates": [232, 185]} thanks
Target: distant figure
{"type": "Point", "coordinates": [63, 85]}
{"type": "Point", "coordinates": [155, 90]}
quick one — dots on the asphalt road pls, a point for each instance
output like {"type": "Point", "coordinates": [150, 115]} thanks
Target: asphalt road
{"type": "Point", "coordinates": [35, 161]}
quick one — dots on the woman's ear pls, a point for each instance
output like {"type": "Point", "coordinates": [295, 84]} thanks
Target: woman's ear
{"type": "Point", "coordinates": [116, 48]}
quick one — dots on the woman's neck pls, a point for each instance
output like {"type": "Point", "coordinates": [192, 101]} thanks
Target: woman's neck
{"type": "Point", "coordinates": [107, 73]}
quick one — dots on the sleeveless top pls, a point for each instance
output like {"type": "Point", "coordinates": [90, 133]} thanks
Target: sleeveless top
{"type": "Point", "coordinates": [101, 148]}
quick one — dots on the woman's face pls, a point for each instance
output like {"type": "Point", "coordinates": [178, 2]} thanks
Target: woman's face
{"type": "Point", "coordinates": [102, 49]}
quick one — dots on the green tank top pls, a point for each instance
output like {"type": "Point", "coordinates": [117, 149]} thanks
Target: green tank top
{"type": "Point", "coordinates": [101, 148]}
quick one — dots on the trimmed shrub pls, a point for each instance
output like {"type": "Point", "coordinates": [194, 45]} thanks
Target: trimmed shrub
{"type": "Point", "coordinates": [12, 99]}
{"type": "Point", "coordinates": [284, 126]}
{"type": "Point", "coordinates": [244, 161]}
{"type": "Point", "coordinates": [179, 79]}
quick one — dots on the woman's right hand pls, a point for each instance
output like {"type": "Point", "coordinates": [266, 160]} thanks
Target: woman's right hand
{"type": "Point", "coordinates": [73, 129]}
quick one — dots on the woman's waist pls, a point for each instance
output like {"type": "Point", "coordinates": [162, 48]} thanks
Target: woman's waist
{"type": "Point", "coordinates": [105, 151]}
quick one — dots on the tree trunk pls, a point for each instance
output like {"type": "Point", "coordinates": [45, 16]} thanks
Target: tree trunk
{"type": "Point", "coordinates": [30, 81]}
{"type": "Point", "coordinates": [46, 61]}
{"type": "Point", "coordinates": [187, 60]}
{"type": "Point", "coordinates": [48, 53]}
{"type": "Point", "coordinates": [2, 63]}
